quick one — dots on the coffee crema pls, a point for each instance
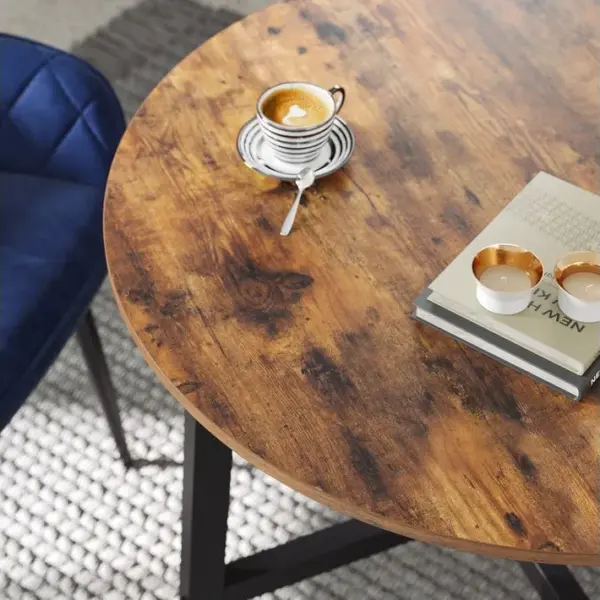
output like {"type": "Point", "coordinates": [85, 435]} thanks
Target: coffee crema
{"type": "Point", "coordinates": [295, 108]}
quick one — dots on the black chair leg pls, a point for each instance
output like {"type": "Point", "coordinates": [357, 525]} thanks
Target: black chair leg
{"type": "Point", "coordinates": [88, 338]}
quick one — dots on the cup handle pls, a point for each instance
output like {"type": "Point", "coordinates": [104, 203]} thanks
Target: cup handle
{"type": "Point", "coordinates": [339, 102]}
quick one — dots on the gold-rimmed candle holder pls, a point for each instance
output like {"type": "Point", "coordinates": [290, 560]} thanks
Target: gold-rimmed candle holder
{"type": "Point", "coordinates": [578, 278]}
{"type": "Point", "coordinates": [506, 275]}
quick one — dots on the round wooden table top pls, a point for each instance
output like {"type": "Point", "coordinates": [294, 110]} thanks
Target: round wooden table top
{"type": "Point", "coordinates": [300, 353]}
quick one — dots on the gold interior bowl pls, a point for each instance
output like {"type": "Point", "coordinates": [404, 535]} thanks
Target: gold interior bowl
{"type": "Point", "coordinates": [506, 302]}
{"type": "Point", "coordinates": [586, 261]}
{"type": "Point", "coordinates": [578, 309]}
{"type": "Point", "coordinates": [509, 254]}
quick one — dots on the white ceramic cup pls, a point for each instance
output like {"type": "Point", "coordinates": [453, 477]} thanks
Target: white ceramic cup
{"type": "Point", "coordinates": [506, 276]}
{"type": "Point", "coordinates": [578, 307]}
{"type": "Point", "coordinates": [299, 146]}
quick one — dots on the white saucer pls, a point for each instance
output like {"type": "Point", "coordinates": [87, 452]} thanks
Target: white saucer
{"type": "Point", "coordinates": [258, 155]}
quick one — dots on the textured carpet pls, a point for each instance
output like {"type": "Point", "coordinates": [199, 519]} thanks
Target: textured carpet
{"type": "Point", "coordinates": [75, 526]}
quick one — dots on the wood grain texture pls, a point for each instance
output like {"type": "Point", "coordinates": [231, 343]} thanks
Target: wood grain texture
{"type": "Point", "coordinates": [300, 352]}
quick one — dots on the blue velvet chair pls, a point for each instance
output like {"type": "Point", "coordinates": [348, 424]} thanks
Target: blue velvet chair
{"type": "Point", "coordinates": [60, 123]}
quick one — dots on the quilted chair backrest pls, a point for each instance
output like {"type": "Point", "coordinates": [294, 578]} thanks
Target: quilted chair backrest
{"type": "Point", "coordinates": [59, 117]}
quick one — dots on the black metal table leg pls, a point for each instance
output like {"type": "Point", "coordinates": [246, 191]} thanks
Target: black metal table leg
{"type": "Point", "coordinates": [553, 582]}
{"type": "Point", "coordinates": [304, 557]}
{"type": "Point", "coordinates": [205, 576]}
{"type": "Point", "coordinates": [206, 479]}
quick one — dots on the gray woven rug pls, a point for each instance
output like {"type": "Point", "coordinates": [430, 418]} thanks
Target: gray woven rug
{"type": "Point", "coordinates": [75, 526]}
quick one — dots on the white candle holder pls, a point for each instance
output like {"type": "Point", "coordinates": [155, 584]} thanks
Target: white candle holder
{"type": "Point", "coordinates": [506, 276]}
{"type": "Point", "coordinates": [578, 278]}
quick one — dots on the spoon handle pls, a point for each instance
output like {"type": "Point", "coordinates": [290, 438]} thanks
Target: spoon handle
{"type": "Point", "coordinates": [289, 220]}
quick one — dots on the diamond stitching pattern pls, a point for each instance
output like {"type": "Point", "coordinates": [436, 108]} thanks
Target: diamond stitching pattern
{"type": "Point", "coordinates": [81, 111]}
{"type": "Point", "coordinates": [63, 137]}
{"type": "Point", "coordinates": [57, 96]}
{"type": "Point", "coordinates": [60, 138]}
{"type": "Point", "coordinates": [29, 81]}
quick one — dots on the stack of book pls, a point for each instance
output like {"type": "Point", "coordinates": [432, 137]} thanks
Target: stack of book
{"type": "Point", "coordinates": [551, 218]}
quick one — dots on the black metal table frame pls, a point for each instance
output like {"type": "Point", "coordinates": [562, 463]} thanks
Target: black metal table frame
{"type": "Point", "coordinates": [205, 576]}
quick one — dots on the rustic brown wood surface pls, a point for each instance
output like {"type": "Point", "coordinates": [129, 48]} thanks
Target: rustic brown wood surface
{"type": "Point", "coordinates": [299, 352]}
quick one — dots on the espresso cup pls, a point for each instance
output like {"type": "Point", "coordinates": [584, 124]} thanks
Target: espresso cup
{"type": "Point", "coordinates": [296, 119]}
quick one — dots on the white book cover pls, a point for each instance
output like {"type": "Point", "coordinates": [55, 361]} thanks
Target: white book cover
{"type": "Point", "coordinates": [551, 218]}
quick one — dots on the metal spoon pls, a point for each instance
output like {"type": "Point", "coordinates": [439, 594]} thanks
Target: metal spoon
{"type": "Point", "coordinates": [305, 179]}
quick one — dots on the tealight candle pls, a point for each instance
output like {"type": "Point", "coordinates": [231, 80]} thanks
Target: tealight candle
{"type": "Point", "coordinates": [505, 278]}
{"type": "Point", "coordinates": [578, 278]}
{"type": "Point", "coordinates": [506, 275]}
{"type": "Point", "coordinates": [585, 286]}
